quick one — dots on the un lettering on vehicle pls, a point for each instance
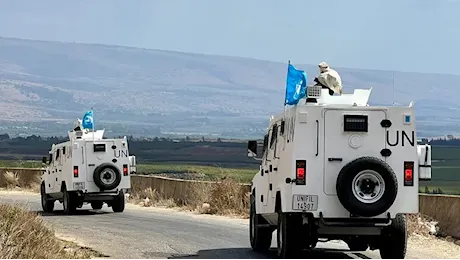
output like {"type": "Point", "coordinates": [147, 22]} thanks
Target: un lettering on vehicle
{"type": "Point", "coordinates": [120, 153]}
{"type": "Point", "coordinates": [401, 138]}
{"type": "Point", "coordinates": [305, 202]}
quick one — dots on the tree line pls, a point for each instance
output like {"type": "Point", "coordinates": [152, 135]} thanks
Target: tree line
{"type": "Point", "coordinates": [197, 150]}
{"type": "Point", "coordinates": [226, 153]}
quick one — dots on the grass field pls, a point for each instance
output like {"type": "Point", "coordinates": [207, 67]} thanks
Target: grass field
{"type": "Point", "coordinates": [445, 170]}
{"type": "Point", "coordinates": [20, 164]}
{"type": "Point", "coordinates": [445, 173]}
{"type": "Point", "coordinates": [197, 172]}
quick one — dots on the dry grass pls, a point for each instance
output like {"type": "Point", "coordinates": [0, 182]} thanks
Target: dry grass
{"type": "Point", "coordinates": [417, 224]}
{"type": "Point", "coordinates": [24, 235]}
{"type": "Point", "coordinates": [150, 198]}
{"type": "Point", "coordinates": [445, 209]}
{"type": "Point", "coordinates": [16, 180]}
{"type": "Point", "coordinates": [224, 198]}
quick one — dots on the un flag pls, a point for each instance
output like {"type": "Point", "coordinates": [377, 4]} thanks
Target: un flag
{"type": "Point", "coordinates": [296, 85]}
{"type": "Point", "coordinates": [87, 120]}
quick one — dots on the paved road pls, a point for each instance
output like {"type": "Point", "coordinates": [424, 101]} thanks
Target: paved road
{"type": "Point", "coordinates": [163, 233]}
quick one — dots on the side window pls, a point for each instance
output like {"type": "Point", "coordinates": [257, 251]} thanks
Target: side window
{"type": "Point", "coordinates": [63, 150]}
{"type": "Point", "coordinates": [57, 153]}
{"type": "Point", "coordinates": [274, 135]}
{"type": "Point", "coordinates": [282, 127]}
{"type": "Point", "coordinates": [264, 148]}
{"type": "Point", "coordinates": [50, 158]}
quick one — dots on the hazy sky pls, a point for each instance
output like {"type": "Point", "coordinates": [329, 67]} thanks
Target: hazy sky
{"type": "Point", "coordinates": [407, 35]}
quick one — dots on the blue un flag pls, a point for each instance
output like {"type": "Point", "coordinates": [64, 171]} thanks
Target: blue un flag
{"type": "Point", "coordinates": [296, 85]}
{"type": "Point", "coordinates": [87, 120]}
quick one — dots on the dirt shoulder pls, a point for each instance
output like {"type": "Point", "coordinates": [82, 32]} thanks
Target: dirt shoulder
{"type": "Point", "coordinates": [420, 247]}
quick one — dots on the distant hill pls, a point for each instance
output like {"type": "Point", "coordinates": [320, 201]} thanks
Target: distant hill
{"type": "Point", "coordinates": [46, 85]}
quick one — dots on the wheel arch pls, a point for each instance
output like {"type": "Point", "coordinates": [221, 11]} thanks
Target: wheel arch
{"type": "Point", "coordinates": [278, 201]}
{"type": "Point", "coordinates": [63, 186]}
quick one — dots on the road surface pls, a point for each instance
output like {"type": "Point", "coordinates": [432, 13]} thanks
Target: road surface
{"type": "Point", "coordinates": [163, 233]}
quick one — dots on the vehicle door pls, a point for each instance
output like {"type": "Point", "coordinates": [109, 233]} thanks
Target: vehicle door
{"type": "Point", "coordinates": [263, 190]}
{"type": "Point", "coordinates": [349, 135]}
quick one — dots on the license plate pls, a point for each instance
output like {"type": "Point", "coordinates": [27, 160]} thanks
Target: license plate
{"type": "Point", "coordinates": [78, 185]}
{"type": "Point", "coordinates": [305, 202]}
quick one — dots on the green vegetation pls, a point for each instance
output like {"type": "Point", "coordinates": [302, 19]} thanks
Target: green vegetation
{"type": "Point", "coordinates": [213, 159]}
{"type": "Point", "coordinates": [20, 163]}
{"type": "Point", "coordinates": [445, 171]}
{"type": "Point", "coordinates": [225, 153]}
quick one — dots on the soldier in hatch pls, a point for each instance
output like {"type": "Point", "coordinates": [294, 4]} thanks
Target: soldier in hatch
{"type": "Point", "coordinates": [329, 78]}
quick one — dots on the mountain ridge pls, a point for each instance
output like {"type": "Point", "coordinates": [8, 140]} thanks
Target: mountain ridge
{"type": "Point", "coordinates": [150, 92]}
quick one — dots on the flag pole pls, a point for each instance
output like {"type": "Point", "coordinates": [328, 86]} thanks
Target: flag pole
{"type": "Point", "coordinates": [284, 113]}
{"type": "Point", "coordinates": [285, 94]}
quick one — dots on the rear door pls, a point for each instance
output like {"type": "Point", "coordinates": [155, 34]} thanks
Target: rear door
{"type": "Point", "coordinates": [96, 153]}
{"type": "Point", "coordinates": [347, 136]}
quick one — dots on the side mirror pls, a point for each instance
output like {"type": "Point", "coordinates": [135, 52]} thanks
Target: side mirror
{"type": "Point", "coordinates": [44, 159]}
{"type": "Point", "coordinates": [252, 148]}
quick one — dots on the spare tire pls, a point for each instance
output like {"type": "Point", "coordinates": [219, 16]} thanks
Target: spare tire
{"type": "Point", "coordinates": [367, 186]}
{"type": "Point", "coordinates": [107, 176]}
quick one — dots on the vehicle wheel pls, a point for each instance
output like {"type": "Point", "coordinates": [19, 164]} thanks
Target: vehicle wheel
{"type": "Point", "coordinates": [47, 202]}
{"type": "Point", "coordinates": [288, 240]}
{"type": "Point", "coordinates": [96, 204]}
{"type": "Point", "coordinates": [393, 242]}
{"type": "Point", "coordinates": [261, 237]}
{"type": "Point", "coordinates": [106, 176]}
{"type": "Point", "coordinates": [367, 186]}
{"type": "Point", "coordinates": [357, 244]}
{"type": "Point", "coordinates": [118, 204]}
{"type": "Point", "coordinates": [68, 202]}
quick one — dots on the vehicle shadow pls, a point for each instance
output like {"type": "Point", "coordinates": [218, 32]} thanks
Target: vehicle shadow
{"type": "Point", "coordinates": [80, 212]}
{"type": "Point", "coordinates": [248, 253]}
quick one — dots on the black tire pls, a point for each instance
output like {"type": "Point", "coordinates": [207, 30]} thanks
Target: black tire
{"type": "Point", "coordinates": [96, 204]}
{"type": "Point", "coordinates": [68, 201]}
{"type": "Point", "coordinates": [118, 204]}
{"type": "Point", "coordinates": [357, 244]}
{"type": "Point", "coordinates": [47, 202]}
{"type": "Point", "coordinates": [289, 240]}
{"type": "Point", "coordinates": [260, 237]}
{"type": "Point", "coordinates": [375, 167]}
{"type": "Point", "coordinates": [107, 171]}
{"type": "Point", "coordinates": [393, 242]}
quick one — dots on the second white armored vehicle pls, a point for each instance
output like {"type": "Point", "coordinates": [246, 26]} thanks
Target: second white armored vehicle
{"type": "Point", "coordinates": [87, 169]}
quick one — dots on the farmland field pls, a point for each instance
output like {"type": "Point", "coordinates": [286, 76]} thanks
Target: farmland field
{"type": "Point", "coordinates": [446, 170]}
{"type": "Point", "coordinates": [445, 173]}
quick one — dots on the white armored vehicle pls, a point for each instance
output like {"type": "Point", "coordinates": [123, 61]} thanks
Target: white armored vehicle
{"type": "Point", "coordinates": [335, 168]}
{"type": "Point", "coordinates": [87, 169]}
